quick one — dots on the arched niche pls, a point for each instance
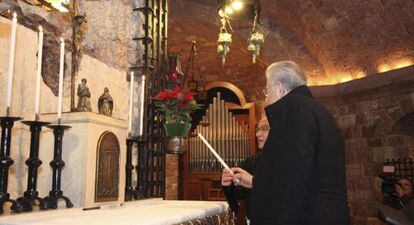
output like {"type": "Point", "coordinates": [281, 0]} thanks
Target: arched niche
{"type": "Point", "coordinates": [107, 168]}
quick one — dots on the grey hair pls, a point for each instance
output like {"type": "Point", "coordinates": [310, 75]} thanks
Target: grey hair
{"type": "Point", "coordinates": [286, 72]}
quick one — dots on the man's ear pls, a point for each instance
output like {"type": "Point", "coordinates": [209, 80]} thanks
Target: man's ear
{"type": "Point", "coordinates": [282, 90]}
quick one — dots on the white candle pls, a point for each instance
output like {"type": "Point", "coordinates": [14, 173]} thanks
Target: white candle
{"type": "Point", "coordinates": [213, 151]}
{"type": "Point", "coordinates": [39, 71]}
{"type": "Point", "coordinates": [141, 116]}
{"type": "Point", "coordinates": [236, 180]}
{"type": "Point", "coordinates": [11, 59]}
{"type": "Point", "coordinates": [62, 60]}
{"type": "Point", "coordinates": [131, 95]}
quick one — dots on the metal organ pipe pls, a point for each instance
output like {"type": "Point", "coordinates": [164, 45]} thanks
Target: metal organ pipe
{"type": "Point", "coordinates": [227, 136]}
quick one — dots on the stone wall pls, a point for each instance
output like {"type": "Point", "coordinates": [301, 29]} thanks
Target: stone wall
{"type": "Point", "coordinates": [370, 113]}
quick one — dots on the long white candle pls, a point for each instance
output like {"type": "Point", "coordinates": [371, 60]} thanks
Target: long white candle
{"type": "Point", "coordinates": [213, 151]}
{"type": "Point", "coordinates": [141, 116]}
{"type": "Point", "coordinates": [11, 60]}
{"type": "Point", "coordinates": [62, 60]}
{"type": "Point", "coordinates": [131, 96]}
{"type": "Point", "coordinates": [39, 71]}
{"type": "Point", "coordinates": [236, 180]}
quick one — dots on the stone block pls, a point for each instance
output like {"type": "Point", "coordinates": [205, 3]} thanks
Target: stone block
{"type": "Point", "coordinates": [368, 131]}
{"type": "Point", "coordinates": [396, 113]}
{"type": "Point", "coordinates": [365, 208]}
{"type": "Point", "coordinates": [346, 120]}
{"type": "Point", "coordinates": [363, 195]}
{"type": "Point", "coordinates": [346, 133]}
{"type": "Point", "coordinates": [362, 183]}
{"type": "Point", "coordinates": [375, 142]}
{"type": "Point", "coordinates": [395, 140]}
{"type": "Point", "coordinates": [356, 143]}
{"type": "Point", "coordinates": [354, 170]}
{"type": "Point", "coordinates": [356, 132]}
{"type": "Point", "coordinates": [380, 154]}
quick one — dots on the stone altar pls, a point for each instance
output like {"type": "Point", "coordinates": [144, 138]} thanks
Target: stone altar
{"type": "Point", "coordinates": [143, 212]}
{"type": "Point", "coordinates": [81, 153]}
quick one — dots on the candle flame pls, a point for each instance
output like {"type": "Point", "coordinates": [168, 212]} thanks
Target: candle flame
{"type": "Point", "coordinates": [132, 73]}
{"type": "Point", "coordinates": [40, 29]}
{"type": "Point", "coordinates": [61, 40]}
{"type": "Point", "coordinates": [14, 15]}
{"type": "Point", "coordinates": [143, 77]}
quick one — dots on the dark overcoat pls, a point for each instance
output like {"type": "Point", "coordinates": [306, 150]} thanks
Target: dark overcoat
{"type": "Point", "coordinates": [300, 176]}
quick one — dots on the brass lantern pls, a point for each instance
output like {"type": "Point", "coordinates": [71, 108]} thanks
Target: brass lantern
{"type": "Point", "coordinates": [224, 40]}
{"type": "Point", "coordinates": [256, 39]}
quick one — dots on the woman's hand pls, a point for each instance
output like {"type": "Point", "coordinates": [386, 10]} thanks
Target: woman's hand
{"type": "Point", "coordinates": [243, 178]}
{"type": "Point", "coordinates": [227, 177]}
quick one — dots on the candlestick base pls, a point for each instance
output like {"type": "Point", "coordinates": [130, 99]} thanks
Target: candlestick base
{"type": "Point", "coordinates": [5, 162]}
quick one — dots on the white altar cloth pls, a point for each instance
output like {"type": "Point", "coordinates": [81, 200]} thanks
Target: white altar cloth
{"type": "Point", "coordinates": [145, 212]}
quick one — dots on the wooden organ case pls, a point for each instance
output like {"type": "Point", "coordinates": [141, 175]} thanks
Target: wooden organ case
{"type": "Point", "coordinates": [229, 128]}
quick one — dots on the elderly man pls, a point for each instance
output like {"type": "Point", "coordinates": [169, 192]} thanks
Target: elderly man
{"type": "Point", "coordinates": [300, 175]}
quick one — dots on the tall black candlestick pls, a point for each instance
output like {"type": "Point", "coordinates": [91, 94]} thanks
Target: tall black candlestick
{"type": "Point", "coordinates": [57, 164]}
{"type": "Point", "coordinates": [129, 190]}
{"type": "Point", "coordinates": [33, 162]}
{"type": "Point", "coordinates": [5, 162]}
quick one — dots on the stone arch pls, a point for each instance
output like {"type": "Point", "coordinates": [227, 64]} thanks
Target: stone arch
{"type": "Point", "coordinates": [394, 137]}
{"type": "Point", "coordinates": [233, 88]}
{"type": "Point", "coordinates": [402, 135]}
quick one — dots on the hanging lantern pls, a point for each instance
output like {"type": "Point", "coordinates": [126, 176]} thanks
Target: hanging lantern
{"type": "Point", "coordinates": [224, 40]}
{"type": "Point", "coordinates": [223, 48]}
{"type": "Point", "coordinates": [256, 39]}
{"type": "Point", "coordinates": [174, 74]}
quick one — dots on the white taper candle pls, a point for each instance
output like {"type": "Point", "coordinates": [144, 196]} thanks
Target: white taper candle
{"type": "Point", "coordinates": [62, 60]}
{"type": "Point", "coordinates": [131, 101]}
{"type": "Point", "coordinates": [11, 60]}
{"type": "Point", "coordinates": [39, 71]}
{"type": "Point", "coordinates": [236, 180]}
{"type": "Point", "coordinates": [142, 108]}
{"type": "Point", "coordinates": [213, 151]}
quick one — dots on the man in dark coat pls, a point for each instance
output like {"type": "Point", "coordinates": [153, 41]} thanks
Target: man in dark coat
{"type": "Point", "coordinates": [300, 175]}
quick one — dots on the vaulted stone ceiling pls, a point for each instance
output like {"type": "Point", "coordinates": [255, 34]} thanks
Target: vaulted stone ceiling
{"type": "Point", "coordinates": [333, 40]}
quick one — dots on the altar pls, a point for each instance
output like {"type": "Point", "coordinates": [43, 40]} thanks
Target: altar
{"type": "Point", "coordinates": [144, 212]}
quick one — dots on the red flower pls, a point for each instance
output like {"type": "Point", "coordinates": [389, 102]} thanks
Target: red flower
{"type": "Point", "coordinates": [172, 95]}
{"type": "Point", "coordinates": [177, 89]}
{"type": "Point", "coordinates": [189, 96]}
{"type": "Point", "coordinates": [177, 104]}
{"type": "Point", "coordinates": [161, 95]}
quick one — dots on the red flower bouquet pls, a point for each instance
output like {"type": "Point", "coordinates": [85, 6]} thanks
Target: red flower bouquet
{"type": "Point", "coordinates": [177, 105]}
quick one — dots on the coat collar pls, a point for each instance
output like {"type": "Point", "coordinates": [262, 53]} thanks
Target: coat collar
{"type": "Point", "coordinates": [301, 91]}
